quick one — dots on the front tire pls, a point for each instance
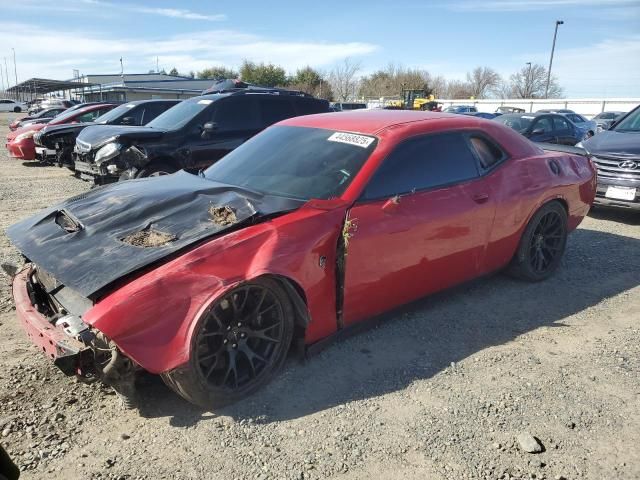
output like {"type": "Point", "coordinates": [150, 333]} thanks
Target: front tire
{"type": "Point", "coordinates": [542, 244]}
{"type": "Point", "coordinates": [239, 344]}
{"type": "Point", "coordinates": [17, 110]}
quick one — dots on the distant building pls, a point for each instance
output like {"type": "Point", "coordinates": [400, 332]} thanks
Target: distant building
{"type": "Point", "coordinates": [138, 86]}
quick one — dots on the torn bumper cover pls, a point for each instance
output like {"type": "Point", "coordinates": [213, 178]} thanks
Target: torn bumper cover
{"type": "Point", "coordinates": [69, 354]}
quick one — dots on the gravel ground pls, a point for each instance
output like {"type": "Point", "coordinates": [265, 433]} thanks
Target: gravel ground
{"type": "Point", "coordinates": [454, 386]}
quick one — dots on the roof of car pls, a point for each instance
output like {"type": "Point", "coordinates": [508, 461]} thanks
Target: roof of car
{"type": "Point", "coordinates": [153, 100]}
{"type": "Point", "coordinates": [369, 121]}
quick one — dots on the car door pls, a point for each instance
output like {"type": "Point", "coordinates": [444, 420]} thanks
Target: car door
{"type": "Point", "coordinates": [564, 130]}
{"type": "Point", "coordinates": [6, 106]}
{"type": "Point", "coordinates": [541, 130]}
{"type": "Point", "coordinates": [236, 120]}
{"type": "Point", "coordinates": [421, 225]}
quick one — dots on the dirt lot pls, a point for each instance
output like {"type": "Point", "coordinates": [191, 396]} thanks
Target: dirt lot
{"type": "Point", "coordinates": [440, 391]}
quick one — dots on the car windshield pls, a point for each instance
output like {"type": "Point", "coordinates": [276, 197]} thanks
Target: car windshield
{"type": "Point", "coordinates": [178, 116]}
{"type": "Point", "coordinates": [67, 114]}
{"type": "Point", "coordinates": [114, 114]}
{"type": "Point", "coordinates": [630, 123]}
{"type": "Point", "coordinates": [295, 162]}
{"type": "Point", "coordinates": [517, 122]}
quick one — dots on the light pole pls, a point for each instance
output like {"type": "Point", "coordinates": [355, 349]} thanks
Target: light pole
{"type": "Point", "coordinates": [15, 70]}
{"type": "Point", "coordinates": [528, 82]}
{"type": "Point", "coordinates": [6, 72]}
{"type": "Point", "coordinates": [553, 47]}
{"type": "Point", "coordinates": [2, 78]}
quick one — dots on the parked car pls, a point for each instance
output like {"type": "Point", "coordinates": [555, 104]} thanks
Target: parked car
{"type": "Point", "coordinates": [56, 142]}
{"type": "Point", "coordinates": [42, 116]}
{"type": "Point", "coordinates": [460, 109]}
{"type": "Point", "coordinates": [208, 280]}
{"type": "Point", "coordinates": [52, 102]}
{"type": "Point", "coordinates": [488, 116]}
{"type": "Point", "coordinates": [347, 106]}
{"type": "Point", "coordinates": [543, 127]}
{"type": "Point", "coordinates": [8, 105]}
{"type": "Point", "coordinates": [192, 135]}
{"type": "Point", "coordinates": [505, 109]}
{"type": "Point", "coordinates": [605, 119]}
{"type": "Point", "coordinates": [555, 110]}
{"type": "Point", "coordinates": [616, 154]}
{"type": "Point", "coordinates": [588, 127]}
{"type": "Point", "coordinates": [20, 142]}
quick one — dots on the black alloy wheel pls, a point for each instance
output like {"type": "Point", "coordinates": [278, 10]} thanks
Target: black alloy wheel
{"type": "Point", "coordinates": [241, 342]}
{"type": "Point", "coordinates": [542, 244]}
{"type": "Point", "coordinates": [546, 242]}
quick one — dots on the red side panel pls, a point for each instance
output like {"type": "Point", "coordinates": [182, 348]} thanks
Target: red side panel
{"type": "Point", "coordinates": [152, 317]}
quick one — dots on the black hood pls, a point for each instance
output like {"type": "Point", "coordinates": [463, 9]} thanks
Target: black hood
{"type": "Point", "coordinates": [97, 135]}
{"type": "Point", "coordinates": [613, 143]}
{"type": "Point", "coordinates": [86, 244]}
{"type": "Point", "coordinates": [64, 128]}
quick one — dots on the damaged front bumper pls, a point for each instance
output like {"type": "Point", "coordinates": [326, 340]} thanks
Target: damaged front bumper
{"type": "Point", "coordinates": [53, 335]}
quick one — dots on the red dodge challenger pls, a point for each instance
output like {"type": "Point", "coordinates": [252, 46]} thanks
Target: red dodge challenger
{"type": "Point", "coordinates": [316, 224]}
{"type": "Point", "coordinates": [20, 142]}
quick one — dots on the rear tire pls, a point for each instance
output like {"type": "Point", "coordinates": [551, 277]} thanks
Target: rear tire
{"type": "Point", "coordinates": [156, 170]}
{"type": "Point", "coordinates": [238, 346]}
{"type": "Point", "coordinates": [542, 244]}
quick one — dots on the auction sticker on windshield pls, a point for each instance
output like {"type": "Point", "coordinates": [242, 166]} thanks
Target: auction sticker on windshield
{"type": "Point", "coordinates": [351, 139]}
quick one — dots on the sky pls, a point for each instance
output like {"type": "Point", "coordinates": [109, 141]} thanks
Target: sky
{"type": "Point", "coordinates": [597, 50]}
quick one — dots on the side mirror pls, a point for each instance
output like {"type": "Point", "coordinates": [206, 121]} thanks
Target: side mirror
{"type": "Point", "coordinates": [538, 131]}
{"type": "Point", "coordinates": [208, 129]}
{"type": "Point", "coordinates": [128, 121]}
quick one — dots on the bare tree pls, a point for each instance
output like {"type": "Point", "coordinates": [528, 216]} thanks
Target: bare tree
{"type": "Point", "coordinates": [457, 89]}
{"type": "Point", "coordinates": [482, 80]}
{"type": "Point", "coordinates": [530, 82]}
{"type": "Point", "coordinates": [344, 80]}
{"type": "Point", "coordinates": [439, 86]}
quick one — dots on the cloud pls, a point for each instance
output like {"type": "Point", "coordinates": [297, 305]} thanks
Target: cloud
{"type": "Point", "coordinates": [606, 68]}
{"type": "Point", "coordinates": [527, 5]}
{"type": "Point", "coordinates": [179, 13]}
{"type": "Point", "coordinates": [53, 54]}
{"type": "Point", "coordinates": [165, 12]}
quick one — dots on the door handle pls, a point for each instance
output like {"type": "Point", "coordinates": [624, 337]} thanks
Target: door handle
{"type": "Point", "coordinates": [480, 197]}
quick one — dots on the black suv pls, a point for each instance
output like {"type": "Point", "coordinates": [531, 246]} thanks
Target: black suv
{"type": "Point", "coordinates": [56, 142]}
{"type": "Point", "coordinates": [192, 135]}
{"type": "Point", "coordinates": [616, 154]}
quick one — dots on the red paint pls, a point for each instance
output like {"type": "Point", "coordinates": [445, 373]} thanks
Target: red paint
{"type": "Point", "coordinates": [25, 149]}
{"type": "Point", "coordinates": [397, 251]}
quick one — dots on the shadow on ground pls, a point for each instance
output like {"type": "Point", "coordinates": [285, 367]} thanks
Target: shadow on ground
{"type": "Point", "coordinates": [628, 217]}
{"type": "Point", "coordinates": [423, 338]}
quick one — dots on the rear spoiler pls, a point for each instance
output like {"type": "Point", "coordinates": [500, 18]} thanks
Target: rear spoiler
{"type": "Point", "coordinates": [553, 147]}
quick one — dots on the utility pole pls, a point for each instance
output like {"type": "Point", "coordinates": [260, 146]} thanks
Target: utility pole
{"type": "Point", "coordinates": [6, 72]}
{"type": "Point", "coordinates": [553, 47]}
{"type": "Point", "coordinates": [528, 82]}
{"type": "Point", "coordinates": [15, 70]}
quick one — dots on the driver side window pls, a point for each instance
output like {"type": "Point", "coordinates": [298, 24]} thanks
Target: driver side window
{"type": "Point", "coordinates": [543, 124]}
{"type": "Point", "coordinates": [422, 163]}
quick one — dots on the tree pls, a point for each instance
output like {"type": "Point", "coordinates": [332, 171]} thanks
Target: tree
{"type": "Point", "coordinates": [174, 71]}
{"type": "Point", "coordinates": [531, 82]}
{"type": "Point", "coordinates": [439, 86]}
{"type": "Point", "coordinates": [312, 82]}
{"type": "Point", "coordinates": [344, 80]}
{"type": "Point", "coordinates": [217, 73]}
{"type": "Point", "coordinates": [457, 89]}
{"type": "Point", "coordinates": [392, 80]}
{"type": "Point", "coordinates": [268, 75]}
{"type": "Point", "coordinates": [482, 80]}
